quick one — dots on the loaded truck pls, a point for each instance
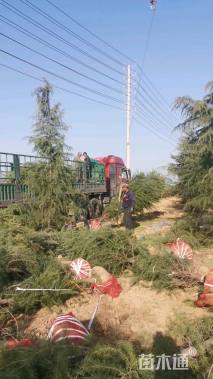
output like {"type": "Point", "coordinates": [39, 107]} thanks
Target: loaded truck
{"type": "Point", "coordinates": [106, 175]}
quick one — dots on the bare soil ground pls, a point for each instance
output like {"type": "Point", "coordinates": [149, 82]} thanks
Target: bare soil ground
{"type": "Point", "coordinates": [140, 312]}
{"type": "Point", "coordinates": [160, 217]}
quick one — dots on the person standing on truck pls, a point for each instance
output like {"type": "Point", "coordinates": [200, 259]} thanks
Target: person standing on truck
{"type": "Point", "coordinates": [78, 167]}
{"type": "Point", "coordinates": [88, 165]}
{"type": "Point", "coordinates": [128, 203]}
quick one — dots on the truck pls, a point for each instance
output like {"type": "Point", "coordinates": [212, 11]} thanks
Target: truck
{"type": "Point", "coordinates": [106, 175]}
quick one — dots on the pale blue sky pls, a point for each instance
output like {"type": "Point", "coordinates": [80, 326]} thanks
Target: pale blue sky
{"type": "Point", "coordinates": [179, 62]}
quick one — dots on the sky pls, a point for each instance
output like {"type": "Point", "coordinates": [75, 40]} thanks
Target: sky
{"type": "Point", "coordinates": [178, 61]}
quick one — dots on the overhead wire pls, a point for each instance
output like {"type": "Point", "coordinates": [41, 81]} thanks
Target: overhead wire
{"type": "Point", "coordinates": [70, 31]}
{"type": "Point", "coordinates": [142, 106]}
{"type": "Point", "coordinates": [154, 104]}
{"type": "Point", "coordinates": [59, 87]}
{"type": "Point", "coordinates": [150, 127]}
{"type": "Point", "coordinates": [89, 31]}
{"type": "Point", "coordinates": [156, 125]}
{"type": "Point", "coordinates": [153, 99]}
{"type": "Point", "coordinates": [152, 119]}
{"type": "Point", "coordinates": [147, 43]}
{"type": "Point", "coordinates": [154, 131]}
{"type": "Point", "coordinates": [60, 38]}
{"type": "Point", "coordinates": [59, 76]}
{"type": "Point", "coordinates": [155, 109]}
{"type": "Point", "coordinates": [60, 63]}
{"type": "Point", "coordinates": [38, 25]}
{"type": "Point", "coordinates": [54, 48]}
{"type": "Point", "coordinates": [140, 86]}
{"type": "Point", "coordinates": [156, 92]}
{"type": "Point", "coordinates": [23, 0]}
{"type": "Point", "coordinates": [128, 58]}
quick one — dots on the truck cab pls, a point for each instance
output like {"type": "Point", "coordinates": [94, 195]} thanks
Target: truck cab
{"type": "Point", "coordinates": [115, 173]}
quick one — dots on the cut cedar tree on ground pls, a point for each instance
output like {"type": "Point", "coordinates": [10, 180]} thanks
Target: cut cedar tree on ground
{"type": "Point", "coordinates": [140, 311]}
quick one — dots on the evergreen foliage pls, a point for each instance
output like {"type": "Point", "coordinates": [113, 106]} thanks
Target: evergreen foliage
{"type": "Point", "coordinates": [27, 259]}
{"type": "Point", "coordinates": [49, 128]}
{"type": "Point", "coordinates": [65, 361]}
{"type": "Point", "coordinates": [147, 189]}
{"type": "Point", "coordinates": [108, 361]}
{"type": "Point", "coordinates": [43, 361]}
{"type": "Point", "coordinates": [4, 277]}
{"type": "Point", "coordinates": [163, 270]}
{"type": "Point", "coordinates": [111, 249]}
{"type": "Point", "coordinates": [186, 229]}
{"type": "Point", "coordinates": [194, 332]}
{"type": "Point", "coordinates": [52, 276]}
{"type": "Point", "coordinates": [50, 181]}
{"type": "Point", "coordinates": [114, 210]}
{"type": "Point", "coordinates": [194, 162]}
{"type": "Point", "coordinates": [28, 256]}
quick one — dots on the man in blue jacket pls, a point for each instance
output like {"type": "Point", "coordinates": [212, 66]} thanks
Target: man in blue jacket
{"type": "Point", "coordinates": [128, 203]}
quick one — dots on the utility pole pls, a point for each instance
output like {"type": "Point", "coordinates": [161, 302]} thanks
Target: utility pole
{"type": "Point", "coordinates": [128, 115]}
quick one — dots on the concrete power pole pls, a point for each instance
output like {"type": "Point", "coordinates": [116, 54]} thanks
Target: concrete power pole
{"type": "Point", "coordinates": [128, 116]}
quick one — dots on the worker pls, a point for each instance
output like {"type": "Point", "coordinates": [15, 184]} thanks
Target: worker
{"type": "Point", "coordinates": [128, 203]}
{"type": "Point", "coordinates": [88, 165]}
{"type": "Point", "coordinates": [78, 167]}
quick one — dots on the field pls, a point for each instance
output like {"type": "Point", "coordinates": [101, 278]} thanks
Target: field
{"type": "Point", "coordinates": [140, 312]}
{"type": "Point", "coordinates": [153, 314]}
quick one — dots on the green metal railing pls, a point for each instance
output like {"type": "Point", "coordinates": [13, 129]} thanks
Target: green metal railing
{"type": "Point", "coordinates": [12, 168]}
{"type": "Point", "coordinates": [11, 192]}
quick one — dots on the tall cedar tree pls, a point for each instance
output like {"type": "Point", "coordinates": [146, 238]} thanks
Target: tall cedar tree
{"type": "Point", "coordinates": [49, 181]}
{"type": "Point", "coordinates": [194, 161]}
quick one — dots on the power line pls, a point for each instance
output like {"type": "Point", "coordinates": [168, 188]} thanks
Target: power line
{"type": "Point", "coordinates": [153, 99]}
{"type": "Point", "coordinates": [154, 132]}
{"type": "Point", "coordinates": [150, 128]}
{"type": "Point", "coordinates": [51, 73]}
{"type": "Point", "coordinates": [157, 109]}
{"type": "Point", "coordinates": [89, 31]}
{"type": "Point", "coordinates": [114, 49]}
{"type": "Point", "coordinates": [143, 106]}
{"type": "Point", "coordinates": [53, 47]}
{"type": "Point", "coordinates": [155, 91]}
{"type": "Point", "coordinates": [61, 64]}
{"type": "Point", "coordinates": [145, 52]}
{"type": "Point", "coordinates": [60, 77]}
{"type": "Point", "coordinates": [58, 87]}
{"type": "Point", "coordinates": [148, 38]}
{"type": "Point", "coordinates": [55, 35]}
{"type": "Point", "coordinates": [48, 31]}
{"type": "Point", "coordinates": [61, 26]}
{"type": "Point", "coordinates": [142, 112]}
{"type": "Point", "coordinates": [146, 118]}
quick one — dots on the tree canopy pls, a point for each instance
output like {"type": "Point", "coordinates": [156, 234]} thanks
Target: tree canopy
{"type": "Point", "coordinates": [194, 162]}
{"type": "Point", "coordinates": [50, 181]}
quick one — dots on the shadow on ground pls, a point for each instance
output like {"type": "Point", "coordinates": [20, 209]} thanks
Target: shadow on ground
{"type": "Point", "coordinates": [163, 344]}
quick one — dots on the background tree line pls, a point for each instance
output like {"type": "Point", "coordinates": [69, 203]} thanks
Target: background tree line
{"type": "Point", "coordinates": [193, 163]}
